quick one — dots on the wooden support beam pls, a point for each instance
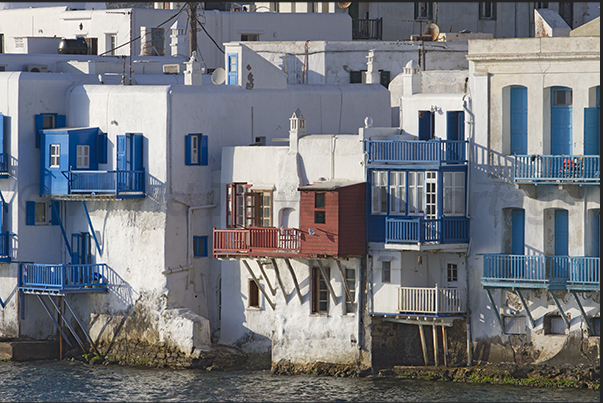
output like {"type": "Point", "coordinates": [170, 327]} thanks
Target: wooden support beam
{"type": "Point", "coordinates": [261, 266]}
{"type": "Point", "coordinates": [344, 281]}
{"type": "Point", "coordinates": [525, 306]}
{"type": "Point", "coordinates": [79, 322]}
{"type": "Point", "coordinates": [327, 280]}
{"type": "Point", "coordinates": [79, 341]}
{"type": "Point", "coordinates": [423, 345]}
{"type": "Point", "coordinates": [435, 345]}
{"type": "Point", "coordinates": [280, 280]}
{"type": "Point", "coordinates": [445, 342]}
{"type": "Point", "coordinates": [495, 309]}
{"type": "Point", "coordinates": [583, 313]}
{"type": "Point", "coordinates": [91, 228]}
{"type": "Point", "coordinates": [56, 324]}
{"type": "Point", "coordinates": [257, 282]}
{"type": "Point", "coordinates": [299, 294]}
{"type": "Point", "coordinates": [61, 324]}
{"type": "Point", "coordinates": [565, 319]}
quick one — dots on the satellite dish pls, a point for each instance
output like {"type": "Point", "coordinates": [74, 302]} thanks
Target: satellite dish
{"type": "Point", "coordinates": [344, 5]}
{"type": "Point", "coordinates": [432, 30]}
{"type": "Point", "coordinates": [218, 76]}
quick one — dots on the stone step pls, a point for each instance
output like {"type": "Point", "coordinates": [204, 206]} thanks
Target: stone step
{"type": "Point", "coordinates": [29, 350]}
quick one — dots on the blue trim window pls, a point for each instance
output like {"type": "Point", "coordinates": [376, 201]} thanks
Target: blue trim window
{"type": "Point", "coordinates": [200, 246]}
{"type": "Point", "coordinates": [48, 121]}
{"type": "Point", "coordinates": [40, 213]}
{"type": "Point", "coordinates": [232, 70]}
{"type": "Point", "coordinates": [196, 150]}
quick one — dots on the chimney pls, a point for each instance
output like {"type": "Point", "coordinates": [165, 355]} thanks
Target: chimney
{"type": "Point", "coordinates": [372, 68]}
{"type": "Point", "coordinates": [297, 128]}
{"type": "Point", "coordinates": [411, 78]}
{"type": "Point", "coordinates": [193, 73]}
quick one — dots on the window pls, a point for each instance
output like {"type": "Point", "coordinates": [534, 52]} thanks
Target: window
{"type": "Point", "coordinates": [250, 37]}
{"type": "Point", "coordinates": [196, 149]}
{"type": "Point", "coordinates": [350, 278]}
{"type": "Point", "coordinates": [200, 246]}
{"type": "Point", "coordinates": [426, 125]}
{"type": "Point", "coordinates": [415, 193]}
{"type": "Point", "coordinates": [320, 292]}
{"type": "Point", "coordinates": [83, 156]}
{"type": "Point", "coordinates": [55, 156]}
{"type": "Point", "coordinates": [431, 192]}
{"type": "Point", "coordinates": [42, 213]}
{"type": "Point", "coordinates": [253, 294]}
{"type": "Point", "coordinates": [595, 324]}
{"type": "Point", "coordinates": [248, 208]}
{"type": "Point", "coordinates": [554, 324]}
{"type": "Point", "coordinates": [92, 46]}
{"type": "Point", "coordinates": [424, 10]}
{"type": "Point", "coordinates": [232, 76]}
{"type": "Point", "coordinates": [487, 11]}
{"type": "Point", "coordinates": [319, 200]}
{"type": "Point", "coordinates": [397, 192]}
{"type": "Point", "coordinates": [454, 193]}
{"type": "Point", "coordinates": [514, 324]}
{"type": "Point", "coordinates": [319, 217]}
{"type": "Point", "coordinates": [386, 272]}
{"type": "Point", "coordinates": [452, 275]}
{"type": "Point", "coordinates": [111, 44]}
{"type": "Point", "coordinates": [379, 192]}
{"type": "Point", "coordinates": [47, 121]}
{"type": "Point", "coordinates": [562, 97]}
{"type": "Point", "coordinates": [539, 5]}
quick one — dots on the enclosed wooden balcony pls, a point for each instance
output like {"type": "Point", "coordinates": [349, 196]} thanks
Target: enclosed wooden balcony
{"type": "Point", "coordinates": [62, 278]}
{"type": "Point", "coordinates": [548, 272]}
{"type": "Point", "coordinates": [4, 243]}
{"type": "Point", "coordinates": [433, 152]}
{"type": "Point", "coordinates": [557, 169]}
{"type": "Point", "coordinates": [432, 301]}
{"type": "Point", "coordinates": [421, 230]}
{"type": "Point", "coordinates": [121, 184]}
{"type": "Point", "coordinates": [256, 241]}
{"type": "Point", "coordinates": [4, 158]}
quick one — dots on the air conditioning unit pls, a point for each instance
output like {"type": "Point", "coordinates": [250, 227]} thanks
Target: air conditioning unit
{"type": "Point", "coordinates": [36, 68]}
{"type": "Point", "coordinates": [171, 69]}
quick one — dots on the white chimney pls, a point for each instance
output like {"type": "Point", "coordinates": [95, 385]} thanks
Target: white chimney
{"type": "Point", "coordinates": [372, 68]}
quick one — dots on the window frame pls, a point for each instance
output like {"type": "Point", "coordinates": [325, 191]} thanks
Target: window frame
{"type": "Point", "coordinates": [379, 192]}
{"type": "Point", "coordinates": [487, 10]}
{"type": "Point", "coordinates": [397, 192]}
{"type": "Point", "coordinates": [253, 295]}
{"type": "Point", "coordinates": [319, 291]}
{"type": "Point", "coordinates": [452, 188]}
{"type": "Point", "coordinates": [424, 16]}
{"type": "Point", "coordinates": [386, 279]}
{"type": "Point", "coordinates": [452, 275]}
{"type": "Point", "coordinates": [200, 246]}
{"type": "Point", "coordinates": [82, 156]}
{"type": "Point", "coordinates": [350, 306]}
{"type": "Point", "coordinates": [416, 193]}
{"type": "Point", "coordinates": [54, 159]}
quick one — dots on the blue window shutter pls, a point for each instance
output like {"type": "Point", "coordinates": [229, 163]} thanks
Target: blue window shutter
{"type": "Point", "coordinates": [204, 150]}
{"type": "Point", "coordinates": [452, 126]}
{"type": "Point", "coordinates": [85, 249]}
{"type": "Point", "coordinates": [137, 154]}
{"type": "Point", "coordinates": [561, 233]}
{"type": "Point", "coordinates": [55, 220]}
{"type": "Point", "coordinates": [591, 131]}
{"type": "Point", "coordinates": [187, 149]}
{"type": "Point", "coordinates": [517, 232]}
{"type": "Point", "coordinates": [1, 216]}
{"type": "Point", "coordinates": [30, 218]}
{"type": "Point", "coordinates": [232, 69]}
{"type": "Point", "coordinates": [101, 148]}
{"type": "Point", "coordinates": [39, 126]}
{"type": "Point", "coordinates": [425, 125]}
{"type": "Point", "coordinates": [121, 152]}
{"type": "Point", "coordinates": [1, 133]}
{"type": "Point", "coordinates": [561, 126]}
{"type": "Point", "coordinates": [75, 249]}
{"type": "Point", "coordinates": [61, 121]}
{"type": "Point", "coordinates": [519, 120]}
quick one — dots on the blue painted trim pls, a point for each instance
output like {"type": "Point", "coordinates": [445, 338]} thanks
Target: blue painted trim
{"type": "Point", "coordinates": [91, 228]}
{"type": "Point", "coordinates": [54, 211]}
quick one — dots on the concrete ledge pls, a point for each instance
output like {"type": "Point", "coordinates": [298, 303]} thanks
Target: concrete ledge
{"type": "Point", "coordinates": [29, 350]}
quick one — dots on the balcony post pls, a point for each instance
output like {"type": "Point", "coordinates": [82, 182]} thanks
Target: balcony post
{"type": "Point", "coordinates": [437, 300]}
{"type": "Point", "coordinates": [567, 322]}
{"type": "Point", "coordinates": [584, 316]}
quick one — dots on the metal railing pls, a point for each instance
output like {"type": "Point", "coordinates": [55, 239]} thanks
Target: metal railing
{"type": "Point", "coordinates": [4, 158]}
{"type": "Point", "coordinates": [63, 277]}
{"type": "Point", "coordinates": [419, 229]}
{"type": "Point", "coordinates": [557, 168]}
{"type": "Point", "coordinates": [112, 182]}
{"type": "Point", "coordinates": [584, 271]}
{"type": "Point", "coordinates": [367, 28]}
{"type": "Point", "coordinates": [412, 151]}
{"type": "Point", "coordinates": [431, 300]}
{"type": "Point", "coordinates": [256, 239]}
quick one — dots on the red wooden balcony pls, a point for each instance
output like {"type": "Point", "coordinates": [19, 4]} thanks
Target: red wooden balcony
{"type": "Point", "coordinates": [256, 241]}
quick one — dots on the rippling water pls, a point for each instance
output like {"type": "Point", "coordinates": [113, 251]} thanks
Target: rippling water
{"type": "Point", "coordinates": [73, 381]}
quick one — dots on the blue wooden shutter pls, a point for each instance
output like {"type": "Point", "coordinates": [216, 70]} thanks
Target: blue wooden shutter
{"type": "Point", "coordinates": [425, 125]}
{"type": "Point", "coordinates": [188, 140]}
{"type": "Point", "coordinates": [137, 152]}
{"type": "Point", "coordinates": [61, 121]}
{"type": "Point", "coordinates": [30, 217]}
{"type": "Point", "coordinates": [561, 126]}
{"type": "Point", "coordinates": [591, 131]}
{"type": "Point", "coordinates": [232, 69]}
{"type": "Point", "coordinates": [101, 148]}
{"type": "Point", "coordinates": [121, 152]}
{"type": "Point", "coordinates": [204, 150]}
{"type": "Point", "coordinates": [85, 257]}
{"type": "Point", "coordinates": [75, 249]}
{"type": "Point", "coordinates": [452, 126]}
{"type": "Point", "coordinates": [561, 233]}
{"type": "Point", "coordinates": [517, 232]}
{"type": "Point", "coordinates": [1, 133]}
{"type": "Point", "coordinates": [519, 120]}
{"type": "Point", "coordinates": [56, 219]}
{"type": "Point", "coordinates": [39, 126]}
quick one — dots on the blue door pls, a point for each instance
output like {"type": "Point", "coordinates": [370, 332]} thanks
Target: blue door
{"type": "Point", "coordinates": [232, 72]}
{"type": "Point", "coordinates": [129, 158]}
{"type": "Point", "coordinates": [517, 232]}
{"type": "Point", "coordinates": [425, 125]}
{"type": "Point", "coordinates": [519, 120]}
{"type": "Point", "coordinates": [561, 233]}
{"type": "Point", "coordinates": [561, 121]}
{"type": "Point", "coordinates": [592, 129]}
{"type": "Point", "coordinates": [455, 131]}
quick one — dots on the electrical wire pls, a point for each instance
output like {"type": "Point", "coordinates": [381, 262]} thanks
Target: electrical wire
{"type": "Point", "coordinates": [140, 36]}
{"type": "Point", "coordinates": [212, 39]}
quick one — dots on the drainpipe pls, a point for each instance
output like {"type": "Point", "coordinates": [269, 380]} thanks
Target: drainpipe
{"type": "Point", "coordinates": [189, 259]}
{"type": "Point", "coordinates": [305, 67]}
{"type": "Point", "coordinates": [467, 205]}
{"type": "Point", "coordinates": [333, 140]}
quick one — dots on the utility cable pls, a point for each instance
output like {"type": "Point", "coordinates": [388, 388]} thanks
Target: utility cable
{"type": "Point", "coordinates": [212, 39]}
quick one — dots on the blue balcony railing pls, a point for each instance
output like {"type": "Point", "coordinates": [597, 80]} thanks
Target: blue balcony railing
{"type": "Point", "coordinates": [419, 230]}
{"type": "Point", "coordinates": [584, 274]}
{"type": "Point", "coordinates": [433, 151]}
{"type": "Point", "coordinates": [4, 243]}
{"type": "Point", "coordinates": [4, 158]}
{"type": "Point", "coordinates": [106, 182]}
{"type": "Point", "coordinates": [63, 277]}
{"type": "Point", "coordinates": [552, 272]}
{"type": "Point", "coordinates": [557, 168]}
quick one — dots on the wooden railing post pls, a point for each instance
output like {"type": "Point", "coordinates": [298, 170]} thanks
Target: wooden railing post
{"type": "Point", "coordinates": [437, 299]}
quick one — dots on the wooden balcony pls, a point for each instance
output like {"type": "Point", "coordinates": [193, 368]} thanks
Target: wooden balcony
{"type": "Point", "coordinates": [431, 301]}
{"type": "Point", "coordinates": [437, 152]}
{"type": "Point", "coordinates": [256, 241]}
{"type": "Point", "coordinates": [548, 272]}
{"type": "Point", "coordinates": [62, 278]}
{"type": "Point", "coordinates": [557, 169]}
{"type": "Point", "coordinates": [121, 184]}
{"type": "Point", "coordinates": [421, 230]}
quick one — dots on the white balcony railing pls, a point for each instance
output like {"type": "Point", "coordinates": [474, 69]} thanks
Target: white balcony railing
{"type": "Point", "coordinates": [431, 300]}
